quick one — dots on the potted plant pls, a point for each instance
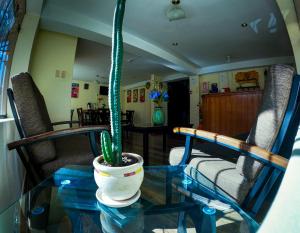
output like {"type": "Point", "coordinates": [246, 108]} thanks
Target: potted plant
{"type": "Point", "coordinates": [158, 95]}
{"type": "Point", "coordinates": [118, 175]}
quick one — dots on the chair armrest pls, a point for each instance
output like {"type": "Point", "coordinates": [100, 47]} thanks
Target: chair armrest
{"type": "Point", "coordinates": [235, 144]}
{"type": "Point", "coordinates": [55, 134]}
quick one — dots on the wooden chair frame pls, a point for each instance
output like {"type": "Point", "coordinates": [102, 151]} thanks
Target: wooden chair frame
{"type": "Point", "coordinates": [275, 165]}
{"type": "Point", "coordinates": [24, 142]}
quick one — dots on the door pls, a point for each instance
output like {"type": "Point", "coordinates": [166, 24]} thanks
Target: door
{"type": "Point", "coordinates": [179, 103]}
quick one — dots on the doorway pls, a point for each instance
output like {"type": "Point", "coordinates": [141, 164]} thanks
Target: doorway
{"type": "Point", "coordinates": [179, 103]}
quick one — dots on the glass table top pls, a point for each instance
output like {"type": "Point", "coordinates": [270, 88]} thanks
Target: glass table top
{"type": "Point", "coordinates": [171, 201]}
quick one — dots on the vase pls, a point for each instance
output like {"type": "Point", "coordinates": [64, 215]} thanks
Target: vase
{"type": "Point", "coordinates": [158, 116]}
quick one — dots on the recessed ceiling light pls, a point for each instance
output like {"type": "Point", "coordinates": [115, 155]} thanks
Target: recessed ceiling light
{"type": "Point", "coordinates": [175, 44]}
{"type": "Point", "coordinates": [244, 25]}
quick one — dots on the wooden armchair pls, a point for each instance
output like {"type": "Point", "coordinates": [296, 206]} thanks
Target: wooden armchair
{"type": "Point", "coordinates": [41, 149]}
{"type": "Point", "coordinates": [258, 167]}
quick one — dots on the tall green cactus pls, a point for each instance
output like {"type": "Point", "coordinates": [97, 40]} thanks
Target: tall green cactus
{"type": "Point", "coordinates": [112, 151]}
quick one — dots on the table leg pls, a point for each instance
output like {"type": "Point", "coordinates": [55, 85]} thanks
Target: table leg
{"type": "Point", "coordinates": [164, 141]}
{"type": "Point", "coordinates": [146, 148]}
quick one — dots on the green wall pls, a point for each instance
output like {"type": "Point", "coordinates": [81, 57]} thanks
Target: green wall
{"type": "Point", "coordinates": [54, 51]}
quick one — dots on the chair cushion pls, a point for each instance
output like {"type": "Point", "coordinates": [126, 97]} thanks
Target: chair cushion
{"type": "Point", "coordinates": [176, 153]}
{"type": "Point", "coordinates": [71, 150]}
{"type": "Point", "coordinates": [270, 116]}
{"type": "Point", "coordinates": [224, 176]}
{"type": "Point", "coordinates": [33, 116]}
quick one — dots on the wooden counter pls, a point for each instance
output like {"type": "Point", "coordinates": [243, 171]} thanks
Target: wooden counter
{"type": "Point", "coordinates": [230, 113]}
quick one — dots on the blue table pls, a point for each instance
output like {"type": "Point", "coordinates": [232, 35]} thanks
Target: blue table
{"type": "Point", "coordinates": [66, 202]}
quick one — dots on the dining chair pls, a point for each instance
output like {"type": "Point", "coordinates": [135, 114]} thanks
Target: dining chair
{"type": "Point", "coordinates": [258, 168]}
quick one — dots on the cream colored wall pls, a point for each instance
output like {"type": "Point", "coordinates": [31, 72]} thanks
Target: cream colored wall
{"type": "Point", "coordinates": [88, 96]}
{"type": "Point", "coordinates": [54, 51]}
{"type": "Point", "coordinates": [142, 111]}
{"type": "Point", "coordinates": [194, 100]}
{"type": "Point", "coordinates": [23, 48]}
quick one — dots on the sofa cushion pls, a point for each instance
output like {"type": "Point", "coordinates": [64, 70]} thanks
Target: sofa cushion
{"type": "Point", "coordinates": [220, 175]}
{"type": "Point", "coordinates": [71, 150]}
{"type": "Point", "coordinates": [270, 116]}
{"type": "Point", "coordinates": [33, 116]}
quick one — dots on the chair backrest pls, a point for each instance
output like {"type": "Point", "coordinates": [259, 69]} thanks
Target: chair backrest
{"type": "Point", "coordinates": [129, 116]}
{"type": "Point", "coordinates": [71, 117]}
{"type": "Point", "coordinates": [80, 116]}
{"type": "Point", "coordinates": [265, 131]}
{"type": "Point", "coordinates": [31, 116]}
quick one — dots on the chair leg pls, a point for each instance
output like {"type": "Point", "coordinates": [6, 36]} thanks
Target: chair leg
{"type": "Point", "coordinates": [208, 223]}
{"type": "Point", "coordinates": [187, 150]}
{"type": "Point", "coordinates": [265, 191]}
{"type": "Point", "coordinates": [93, 144]}
{"type": "Point", "coordinates": [181, 222]}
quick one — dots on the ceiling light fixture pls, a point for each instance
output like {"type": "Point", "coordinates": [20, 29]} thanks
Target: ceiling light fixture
{"type": "Point", "coordinates": [174, 43]}
{"type": "Point", "coordinates": [175, 12]}
{"type": "Point", "coordinates": [244, 25]}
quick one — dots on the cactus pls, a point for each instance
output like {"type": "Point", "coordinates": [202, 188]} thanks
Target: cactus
{"type": "Point", "coordinates": [112, 151]}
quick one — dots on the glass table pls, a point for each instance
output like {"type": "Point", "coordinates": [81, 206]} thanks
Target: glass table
{"type": "Point", "coordinates": [171, 201]}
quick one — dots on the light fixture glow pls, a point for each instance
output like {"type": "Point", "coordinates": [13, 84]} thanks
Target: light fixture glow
{"type": "Point", "coordinates": [175, 12]}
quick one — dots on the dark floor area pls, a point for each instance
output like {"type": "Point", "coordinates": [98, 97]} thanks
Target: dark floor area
{"type": "Point", "coordinates": [134, 144]}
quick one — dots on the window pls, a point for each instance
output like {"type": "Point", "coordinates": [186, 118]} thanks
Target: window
{"type": "Point", "coordinates": [7, 21]}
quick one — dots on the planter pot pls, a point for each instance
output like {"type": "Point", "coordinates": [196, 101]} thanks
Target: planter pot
{"type": "Point", "coordinates": [119, 183]}
{"type": "Point", "coordinates": [158, 116]}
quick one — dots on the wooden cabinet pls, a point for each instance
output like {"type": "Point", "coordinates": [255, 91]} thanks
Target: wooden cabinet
{"type": "Point", "coordinates": [230, 113]}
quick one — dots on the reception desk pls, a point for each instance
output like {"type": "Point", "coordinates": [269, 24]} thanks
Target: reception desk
{"type": "Point", "coordinates": [230, 113]}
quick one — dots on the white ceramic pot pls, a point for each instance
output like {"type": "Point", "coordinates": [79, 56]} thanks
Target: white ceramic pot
{"type": "Point", "coordinates": [119, 183]}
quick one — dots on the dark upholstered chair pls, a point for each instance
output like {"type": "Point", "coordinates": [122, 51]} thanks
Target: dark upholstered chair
{"type": "Point", "coordinates": [251, 178]}
{"type": "Point", "coordinates": [42, 149]}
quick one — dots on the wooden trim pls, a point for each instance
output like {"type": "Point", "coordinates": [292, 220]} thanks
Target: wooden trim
{"type": "Point", "coordinates": [234, 93]}
{"type": "Point", "coordinates": [55, 134]}
{"type": "Point", "coordinates": [61, 123]}
{"type": "Point", "coordinates": [235, 144]}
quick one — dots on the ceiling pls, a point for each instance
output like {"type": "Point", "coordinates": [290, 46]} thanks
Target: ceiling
{"type": "Point", "coordinates": [92, 61]}
{"type": "Point", "coordinates": [206, 37]}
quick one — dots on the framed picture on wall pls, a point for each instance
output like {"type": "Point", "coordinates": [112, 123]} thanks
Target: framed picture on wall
{"type": "Point", "coordinates": [135, 95]}
{"type": "Point", "coordinates": [75, 90]}
{"type": "Point", "coordinates": [142, 95]}
{"type": "Point", "coordinates": [128, 96]}
{"type": "Point", "coordinates": [86, 86]}
{"type": "Point", "coordinates": [205, 87]}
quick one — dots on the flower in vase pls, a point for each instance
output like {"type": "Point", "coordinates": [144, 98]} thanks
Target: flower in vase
{"type": "Point", "coordinates": [158, 96]}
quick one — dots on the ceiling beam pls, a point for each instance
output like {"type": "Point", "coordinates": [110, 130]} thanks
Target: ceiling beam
{"type": "Point", "coordinates": [34, 6]}
{"type": "Point", "coordinates": [245, 64]}
{"type": "Point", "coordinates": [63, 20]}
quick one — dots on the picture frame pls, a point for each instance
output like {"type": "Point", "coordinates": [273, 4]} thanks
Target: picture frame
{"type": "Point", "coordinates": [142, 95]}
{"type": "Point", "coordinates": [86, 86]}
{"type": "Point", "coordinates": [135, 95]}
{"type": "Point", "coordinates": [128, 96]}
{"type": "Point", "coordinates": [75, 90]}
{"type": "Point", "coordinates": [205, 87]}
